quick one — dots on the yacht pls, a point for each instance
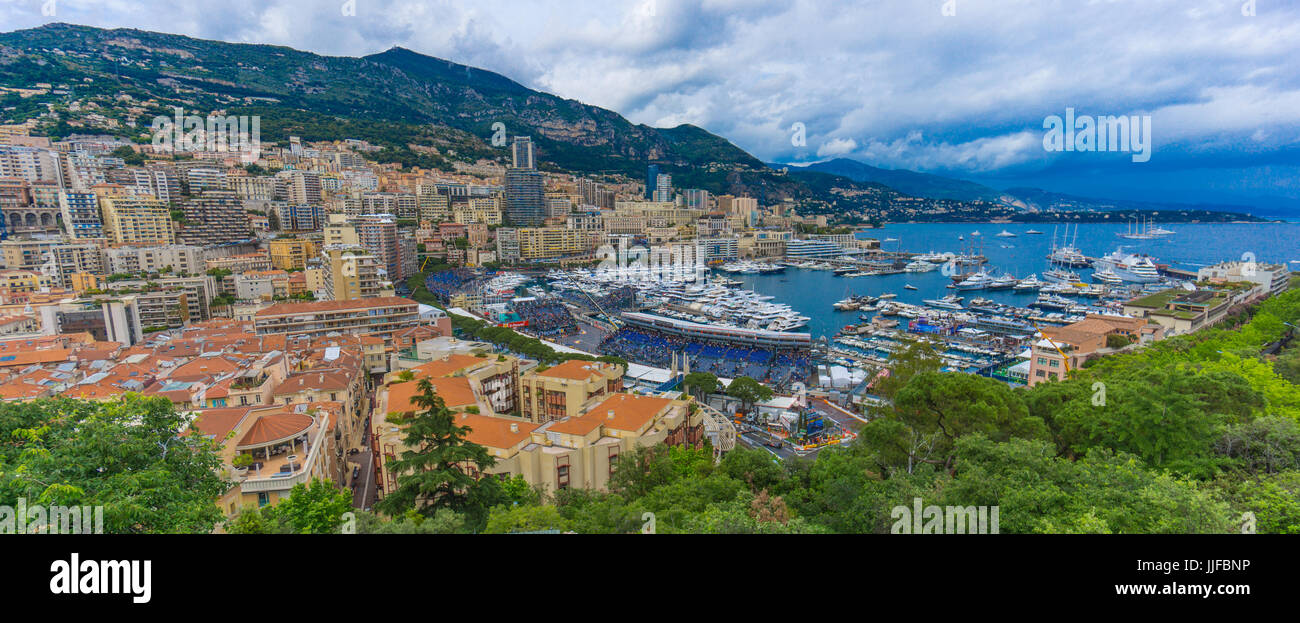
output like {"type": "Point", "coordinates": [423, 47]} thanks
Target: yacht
{"type": "Point", "coordinates": [1051, 301]}
{"type": "Point", "coordinates": [1029, 284]}
{"type": "Point", "coordinates": [1033, 232]}
{"type": "Point", "coordinates": [1005, 234]}
{"type": "Point", "coordinates": [848, 304]}
{"type": "Point", "coordinates": [1061, 275]}
{"type": "Point", "coordinates": [1130, 267]}
{"type": "Point", "coordinates": [909, 286]}
{"type": "Point", "coordinates": [920, 266]}
{"type": "Point", "coordinates": [1107, 276]}
{"type": "Point", "coordinates": [845, 270]}
{"type": "Point", "coordinates": [948, 302]}
{"type": "Point", "coordinates": [977, 281]}
{"type": "Point", "coordinates": [1067, 255]}
{"type": "Point", "coordinates": [1005, 282]}
{"type": "Point", "coordinates": [1160, 231]}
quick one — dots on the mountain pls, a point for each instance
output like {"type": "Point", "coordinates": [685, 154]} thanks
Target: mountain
{"type": "Point", "coordinates": [907, 182]}
{"type": "Point", "coordinates": [423, 111]}
{"type": "Point", "coordinates": [383, 96]}
{"type": "Point", "coordinates": [1037, 199]}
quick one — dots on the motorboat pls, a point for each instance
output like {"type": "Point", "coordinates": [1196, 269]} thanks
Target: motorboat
{"type": "Point", "coordinates": [1029, 284]}
{"type": "Point", "coordinates": [1130, 267]}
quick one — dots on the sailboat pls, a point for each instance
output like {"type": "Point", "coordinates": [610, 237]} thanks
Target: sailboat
{"type": "Point", "coordinates": [1136, 233]}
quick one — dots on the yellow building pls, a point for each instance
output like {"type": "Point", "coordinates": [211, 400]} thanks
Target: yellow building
{"type": "Point", "coordinates": [579, 449]}
{"type": "Point", "coordinates": [84, 281]}
{"type": "Point", "coordinates": [24, 281]}
{"type": "Point", "coordinates": [549, 242]}
{"type": "Point", "coordinates": [136, 220]}
{"type": "Point", "coordinates": [284, 446]}
{"type": "Point", "coordinates": [339, 232]}
{"type": "Point", "coordinates": [485, 210]}
{"type": "Point", "coordinates": [291, 253]}
{"type": "Point", "coordinates": [568, 389]}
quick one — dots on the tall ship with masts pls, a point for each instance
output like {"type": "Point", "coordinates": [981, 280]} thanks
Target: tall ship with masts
{"type": "Point", "coordinates": [1067, 255]}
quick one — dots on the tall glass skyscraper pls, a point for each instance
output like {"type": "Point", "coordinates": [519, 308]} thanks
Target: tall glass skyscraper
{"type": "Point", "coordinates": [521, 153]}
{"type": "Point", "coordinates": [525, 200]}
{"type": "Point", "coordinates": [651, 181]}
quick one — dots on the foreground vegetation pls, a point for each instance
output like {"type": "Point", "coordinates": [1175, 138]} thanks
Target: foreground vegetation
{"type": "Point", "coordinates": [1184, 436]}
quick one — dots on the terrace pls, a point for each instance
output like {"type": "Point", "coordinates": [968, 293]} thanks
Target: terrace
{"type": "Point", "coordinates": [283, 447]}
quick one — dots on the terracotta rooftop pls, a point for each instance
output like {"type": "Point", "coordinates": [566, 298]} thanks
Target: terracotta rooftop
{"type": "Point", "coordinates": [275, 427]}
{"type": "Point", "coordinates": [217, 423]}
{"type": "Point", "coordinates": [455, 392]}
{"type": "Point", "coordinates": [495, 432]}
{"type": "Point", "coordinates": [573, 369]}
{"type": "Point", "coordinates": [312, 380]}
{"type": "Point", "coordinates": [627, 412]}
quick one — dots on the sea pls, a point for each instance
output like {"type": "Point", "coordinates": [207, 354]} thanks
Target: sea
{"type": "Point", "coordinates": [1191, 246]}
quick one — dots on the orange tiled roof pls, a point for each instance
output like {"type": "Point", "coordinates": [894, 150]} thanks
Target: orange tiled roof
{"type": "Point", "coordinates": [312, 381]}
{"type": "Point", "coordinates": [455, 392]}
{"type": "Point", "coordinates": [495, 432]}
{"type": "Point", "coordinates": [27, 358]}
{"type": "Point", "coordinates": [575, 425]}
{"type": "Point", "coordinates": [573, 369]}
{"type": "Point", "coordinates": [22, 390]}
{"type": "Point", "coordinates": [627, 412]}
{"type": "Point", "coordinates": [217, 423]}
{"type": "Point", "coordinates": [275, 427]}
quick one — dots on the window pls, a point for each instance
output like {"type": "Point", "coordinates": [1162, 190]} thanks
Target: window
{"type": "Point", "coordinates": [562, 476]}
{"type": "Point", "coordinates": [263, 498]}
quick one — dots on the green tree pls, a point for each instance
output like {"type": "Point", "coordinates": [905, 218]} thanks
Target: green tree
{"type": "Point", "coordinates": [128, 456]}
{"type": "Point", "coordinates": [314, 509]}
{"type": "Point", "coordinates": [700, 384]}
{"type": "Point", "coordinates": [749, 392]}
{"type": "Point", "coordinates": [934, 409]}
{"type": "Point", "coordinates": [431, 471]}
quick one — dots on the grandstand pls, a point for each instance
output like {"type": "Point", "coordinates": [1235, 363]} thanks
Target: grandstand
{"type": "Point", "coordinates": [776, 358]}
{"type": "Point", "coordinates": [546, 317]}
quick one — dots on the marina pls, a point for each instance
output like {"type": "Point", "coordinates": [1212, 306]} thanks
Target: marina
{"type": "Point", "coordinates": [788, 321]}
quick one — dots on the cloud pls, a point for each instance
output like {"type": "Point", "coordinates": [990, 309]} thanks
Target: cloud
{"type": "Point", "coordinates": [837, 147]}
{"type": "Point", "coordinates": [892, 82]}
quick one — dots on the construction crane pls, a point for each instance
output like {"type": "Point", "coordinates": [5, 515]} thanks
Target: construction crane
{"type": "Point", "coordinates": [615, 323]}
{"type": "Point", "coordinates": [1065, 361]}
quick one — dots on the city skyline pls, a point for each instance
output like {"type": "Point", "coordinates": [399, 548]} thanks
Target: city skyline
{"type": "Point", "coordinates": [1216, 77]}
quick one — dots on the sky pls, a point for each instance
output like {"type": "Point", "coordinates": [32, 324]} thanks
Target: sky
{"type": "Point", "coordinates": [963, 88]}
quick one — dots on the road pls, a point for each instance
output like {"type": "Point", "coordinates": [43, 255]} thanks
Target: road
{"type": "Point", "coordinates": [363, 494]}
{"type": "Point", "coordinates": [836, 414]}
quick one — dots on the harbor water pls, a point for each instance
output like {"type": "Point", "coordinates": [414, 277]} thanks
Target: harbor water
{"type": "Point", "coordinates": [1191, 246]}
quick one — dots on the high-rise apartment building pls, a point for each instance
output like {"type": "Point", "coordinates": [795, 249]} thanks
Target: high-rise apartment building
{"type": "Point", "coordinates": [521, 152]}
{"type": "Point", "coordinates": [215, 217]}
{"type": "Point", "coordinates": [81, 214]}
{"type": "Point", "coordinates": [136, 220]}
{"type": "Point", "coordinates": [525, 200]}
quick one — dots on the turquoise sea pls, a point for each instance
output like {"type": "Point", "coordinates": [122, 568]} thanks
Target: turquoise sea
{"type": "Point", "coordinates": [1192, 246]}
